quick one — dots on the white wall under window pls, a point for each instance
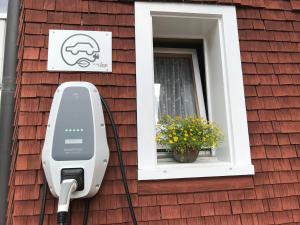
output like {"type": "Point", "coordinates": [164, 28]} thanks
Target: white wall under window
{"type": "Point", "coordinates": [2, 44]}
{"type": "Point", "coordinates": [217, 27]}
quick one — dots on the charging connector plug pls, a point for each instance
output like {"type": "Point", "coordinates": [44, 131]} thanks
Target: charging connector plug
{"type": "Point", "coordinates": [66, 188]}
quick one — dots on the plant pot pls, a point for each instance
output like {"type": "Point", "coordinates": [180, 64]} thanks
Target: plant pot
{"type": "Point", "coordinates": [188, 156]}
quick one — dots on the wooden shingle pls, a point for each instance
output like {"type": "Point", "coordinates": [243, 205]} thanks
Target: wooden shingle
{"type": "Point", "coordinates": [269, 43]}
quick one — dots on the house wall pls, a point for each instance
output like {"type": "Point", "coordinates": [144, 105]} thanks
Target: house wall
{"type": "Point", "coordinates": [269, 33]}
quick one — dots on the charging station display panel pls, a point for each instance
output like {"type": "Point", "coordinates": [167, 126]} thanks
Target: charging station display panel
{"type": "Point", "coordinates": [74, 131]}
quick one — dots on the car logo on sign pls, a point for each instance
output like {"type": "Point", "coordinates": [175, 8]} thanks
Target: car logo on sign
{"type": "Point", "coordinates": [80, 49]}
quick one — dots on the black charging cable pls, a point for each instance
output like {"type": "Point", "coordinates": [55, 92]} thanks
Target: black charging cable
{"type": "Point", "coordinates": [43, 203]}
{"type": "Point", "coordinates": [86, 211]}
{"type": "Point", "coordinates": [120, 158]}
{"type": "Point", "coordinates": [122, 169]}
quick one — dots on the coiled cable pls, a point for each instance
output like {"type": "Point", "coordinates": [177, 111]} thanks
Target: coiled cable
{"type": "Point", "coordinates": [120, 158]}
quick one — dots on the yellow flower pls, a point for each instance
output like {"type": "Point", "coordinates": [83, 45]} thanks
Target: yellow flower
{"type": "Point", "coordinates": [171, 142]}
{"type": "Point", "coordinates": [186, 135]}
{"type": "Point", "coordinates": [185, 139]}
{"type": "Point", "coordinates": [175, 139]}
{"type": "Point", "coordinates": [170, 135]}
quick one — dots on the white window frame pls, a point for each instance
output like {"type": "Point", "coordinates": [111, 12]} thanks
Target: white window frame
{"type": "Point", "coordinates": [2, 46]}
{"type": "Point", "coordinates": [200, 105]}
{"type": "Point", "coordinates": [225, 77]}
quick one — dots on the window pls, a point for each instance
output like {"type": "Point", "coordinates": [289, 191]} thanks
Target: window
{"type": "Point", "coordinates": [177, 88]}
{"type": "Point", "coordinates": [222, 101]}
{"type": "Point", "coordinates": [2, 44]}
{"type": "Point", "coordinates": [177, 83]}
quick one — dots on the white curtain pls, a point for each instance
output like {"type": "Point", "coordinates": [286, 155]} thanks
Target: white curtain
{"type": "Point", "coordinates": [177, 87]}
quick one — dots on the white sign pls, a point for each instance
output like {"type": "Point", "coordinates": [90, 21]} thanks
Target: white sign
{"type": "Point", "coordinates": [76, 50]}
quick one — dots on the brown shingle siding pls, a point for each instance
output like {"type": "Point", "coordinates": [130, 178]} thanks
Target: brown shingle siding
{"type": "Point", "coordinates": [270, 45]}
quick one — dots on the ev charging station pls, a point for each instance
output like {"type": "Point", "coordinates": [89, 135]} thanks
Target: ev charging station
{"type": "Point", "coordinates": [75, 153]}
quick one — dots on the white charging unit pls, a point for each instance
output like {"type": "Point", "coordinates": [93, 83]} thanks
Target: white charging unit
{"type": "Point", "coordinates": [75, 143]}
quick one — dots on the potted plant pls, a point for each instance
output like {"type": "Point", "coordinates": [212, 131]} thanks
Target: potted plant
{"type": "Point", "coordinates": [185, 137]}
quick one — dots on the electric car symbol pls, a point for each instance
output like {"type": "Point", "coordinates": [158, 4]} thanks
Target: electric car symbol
{"type": "Point", "coordinates": [80, 49]}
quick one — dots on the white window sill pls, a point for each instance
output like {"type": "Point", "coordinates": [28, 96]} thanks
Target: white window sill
{"type": "Point", "coordinates": [3, 16]}
{"type": "Point", "coordinates": [193, 170]}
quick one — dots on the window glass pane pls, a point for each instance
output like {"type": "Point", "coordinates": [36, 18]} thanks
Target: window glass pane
{"type": "Point", "coordinates": [174, 86]}
{"type": "Point", "coordinates": [3, 6]}
{"type": "Point", "coordinates": [2, 43]}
